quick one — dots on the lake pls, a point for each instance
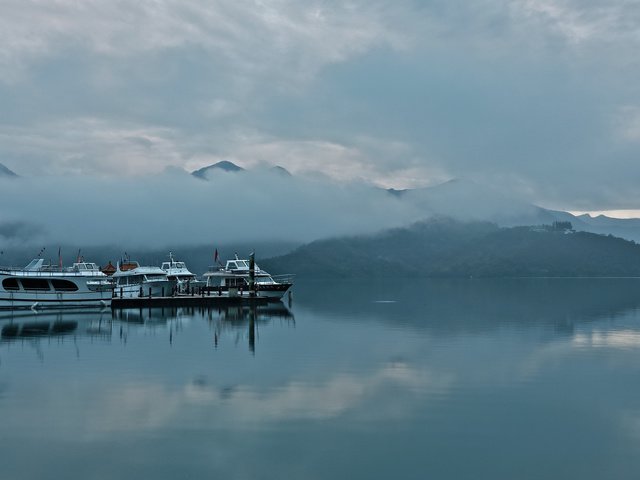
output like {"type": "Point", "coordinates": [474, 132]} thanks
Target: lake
{"type": "Point", "coordinates": [446, 379]}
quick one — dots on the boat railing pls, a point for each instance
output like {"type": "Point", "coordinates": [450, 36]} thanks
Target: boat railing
{"type": "Point", "coordinates": [5, 268]}
{"type": "Point", "coordinates": [43, 269]}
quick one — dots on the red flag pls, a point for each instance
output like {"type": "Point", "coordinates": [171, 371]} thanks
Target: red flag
{"type": "Point", "coordinates": [215, 256]}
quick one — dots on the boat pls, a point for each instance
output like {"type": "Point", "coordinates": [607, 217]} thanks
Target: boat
{"type": "Point", "coordinates": [53, 286]}
{"type": "Point", "coordinates": [236, 276]}
{"type": "Point", "coordinates": [179, 273]}
{"type": "Point", "coordinates": [133, 281]}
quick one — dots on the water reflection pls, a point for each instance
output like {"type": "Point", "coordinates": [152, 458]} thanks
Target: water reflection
{"type": "Point", "coordinates": [521, 379]}
{"type": "Point", "coordinates": [456, 306]}
{"type": "Point", "coordinates": [33, 326]}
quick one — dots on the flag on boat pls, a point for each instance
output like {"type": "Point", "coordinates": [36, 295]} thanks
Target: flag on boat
{"type": "Point", "coordinates": [215, 256]}
{"type": "Point", "coordinates": [60, 257]}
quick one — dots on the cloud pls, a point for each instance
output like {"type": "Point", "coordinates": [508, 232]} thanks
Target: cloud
{"type": "Point", "coordinates": [534, 94]}
{"type": "Point", "coordinates": [252, 37]}
{"type": "Point", "coordinates": [175, 208]}
{"type": "Point", "coordinates": [90, 146]}
{"type": "Point", "coordinates": [583, 23]}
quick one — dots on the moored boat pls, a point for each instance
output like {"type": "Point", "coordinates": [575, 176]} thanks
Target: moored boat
{"type": "Point", "coordinates": [132, 280]}
{"type": "Point", "coordinates": [237, 275]}
{"type": "Point", "coordinates": [178, 272]}
{"type": "Point", "coordinates": [52, 286]}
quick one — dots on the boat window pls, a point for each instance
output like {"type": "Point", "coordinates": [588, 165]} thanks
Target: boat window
{"type": "Point", "coordinates": [63, 285]}
{"type": "Point", "coordinates": [34, 284]}
{"type": "Point", "coordinates": [10, 284]}
{"type": "Point", "coordinates": [179, 265]}
{"type": "Point", "coordinates": [232, 265]}
{"type": "Point", "coordinates": [236, 282]}
{"type": "Point", "coordinates": [156, 277]}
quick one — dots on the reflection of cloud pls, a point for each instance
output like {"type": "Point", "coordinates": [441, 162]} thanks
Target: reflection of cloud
{"type": "Point", "coordinates": [148, 406]}
{"type": "Point", "coordinates": [623, 339]}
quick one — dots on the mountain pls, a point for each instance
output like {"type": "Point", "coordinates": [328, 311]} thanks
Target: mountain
{"type": "Point", "coordinates": [223, 165]}
{"type": "Point", "coordinates": [444, 247]}
{"type": "Point", "coordinates": [278, 170]}
{"type": "Point", "coordinates": [5, 172]}
{"type": "Point", "coordinates": [466, 200]}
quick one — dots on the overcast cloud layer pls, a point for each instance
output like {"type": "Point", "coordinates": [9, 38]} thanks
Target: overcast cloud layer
{"type": "Point", "coordinates": [536, 96]}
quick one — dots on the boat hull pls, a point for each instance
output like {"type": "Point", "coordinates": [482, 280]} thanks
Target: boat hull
{"type": "Point", "coordinates": [272, 291]}
{"type": "Point", "coordinates": [162, 288]}
{"type": "Point", "coordinates": [86, 293]}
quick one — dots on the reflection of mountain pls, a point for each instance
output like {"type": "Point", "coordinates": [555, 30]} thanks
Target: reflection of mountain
{"type": "Point", "coordinates": [452, 306]}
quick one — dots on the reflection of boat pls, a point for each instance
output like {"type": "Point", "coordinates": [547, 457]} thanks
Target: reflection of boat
{"type": "Point", "coordinates": [178, 272]}
{"type": "Point", "coordinates": [148, 316]}
{"type": "Point", "coordinates": [39, 285]}
{"type": "Point", "coordinates": [37, 329]}
{"type": "Point", "coordinates": [24, 324]}
{"type": "Point", "coordinates": [132, 281]}
{"type": "Point", "coordinates": [236, 319]}
{"type": "Point", "coordinates": [236, 274]}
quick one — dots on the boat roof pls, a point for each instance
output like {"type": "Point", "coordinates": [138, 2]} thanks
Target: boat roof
{"type": "Point", "coordinates": [176, 268]}
{"type": "Point", "coordinates": [37, 267]}
{"type": "Point", "coordinates": [134, 268]}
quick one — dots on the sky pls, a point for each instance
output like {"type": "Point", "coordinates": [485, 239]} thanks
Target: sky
{"type": "Point", "coordinates": [537, 97]}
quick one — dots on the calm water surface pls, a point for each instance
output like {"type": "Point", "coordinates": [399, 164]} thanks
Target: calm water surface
{"type": "Point", "coordinates": [428, 379]}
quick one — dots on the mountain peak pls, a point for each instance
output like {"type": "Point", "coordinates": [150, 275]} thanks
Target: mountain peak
{"type": "Point", "coordinates": [223, 165]}
{"type": "Point", "coordinates": [5, 172]}
{"type": "Point", "coordinates": [280, 171]}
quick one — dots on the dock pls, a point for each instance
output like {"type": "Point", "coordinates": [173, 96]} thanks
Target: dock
{"type": "Point", "coordinates": [189, 301]}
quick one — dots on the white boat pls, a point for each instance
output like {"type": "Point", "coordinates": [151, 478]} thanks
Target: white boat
{"type": "Point", "coordinates": [179, 273]}
{"type": "Point", "coordinates": [133, 281]}
{"type": "Point", "coordinates": [51, 286]}
{"type": "Point", "coordinates": [236, 276]}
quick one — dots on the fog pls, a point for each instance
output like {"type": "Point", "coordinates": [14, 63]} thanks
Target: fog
{"type": "Point", "coordinates": [175, 208]}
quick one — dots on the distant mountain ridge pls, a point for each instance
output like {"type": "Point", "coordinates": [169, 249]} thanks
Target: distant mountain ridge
{"type": "Point", "coordinates": [223, 165]}
{"type": "Point", "coordinates": [468, 201]}
{"type": "Point", "coordinates": [6, 172]}
{"type": "Point", "coordinates": [230, 167]}
{"type": "Point", "coordinates": [444, 247]}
